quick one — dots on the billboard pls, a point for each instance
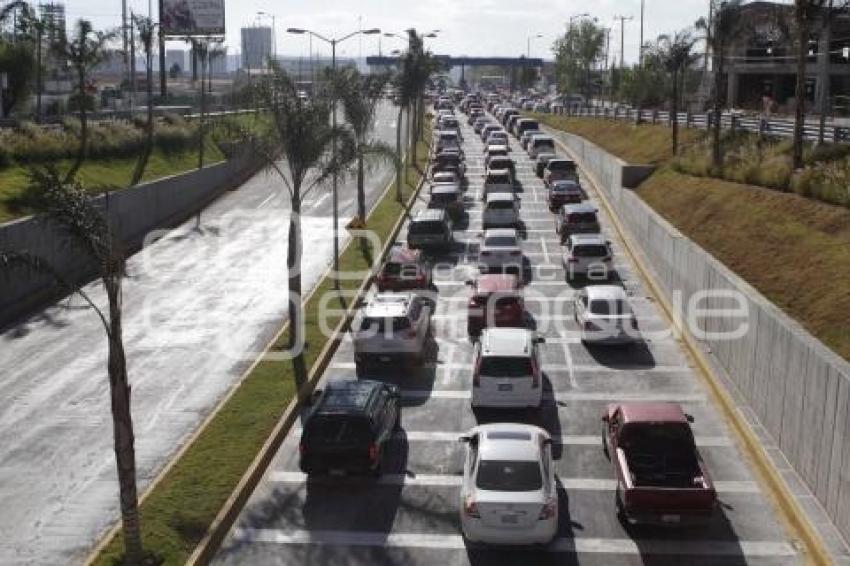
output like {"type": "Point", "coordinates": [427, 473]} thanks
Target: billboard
{"type": "Point", "coordinates": [192, 17]}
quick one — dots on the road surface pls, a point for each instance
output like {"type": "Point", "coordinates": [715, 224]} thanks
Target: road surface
{"type": "Point", "coordinates": [411, 515]}
{"type": "Point", "coordinates": [197, 304]}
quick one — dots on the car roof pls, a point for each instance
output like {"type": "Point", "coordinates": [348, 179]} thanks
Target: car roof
{"type": "Point", "coordinates": [544, 137]}
{"type": "Point", "coordinates": [509, 441]}
{"type": "Point", "coordinates": [402, 254]}
{"type": "Point", "coordinates": [570, 183]}
{"type": "Point", "coordinates": [605, 292]}
{"type": "Point", "coordinates": [498, 172]}
{"type": "Point", "coordinates": [491, 197]}
{"type": "Point", "coordinates": [348, 395]}
{"type": "Point", "coordinates": [506, 342]}
{"type": "Point", "coordinates": [388, 305]}
{"type": "Point", "coordinates": [563, 160]}
{"type": "Point", "coordinates": [494, 282]}
{"type": "Point", "coordinates": [429, 215]}
{"type": "Point", "coordinates": [545, 156]}
{"type": "Point", "coordinates": [442, 188]}
{"type": "Point", "coordinates": [652, 412]}
{"type": "Point", "coordinates": [588, 239]}
{"type": "Point", "coordinates": [500, 232]}
{"type": "Point", "coordinates": [579, 208]}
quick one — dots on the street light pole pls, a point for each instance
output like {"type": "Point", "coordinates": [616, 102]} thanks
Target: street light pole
{"type": "Point", "coordinates": [528, 44]}
{"type": "Point", "coordinates": [640, 49]}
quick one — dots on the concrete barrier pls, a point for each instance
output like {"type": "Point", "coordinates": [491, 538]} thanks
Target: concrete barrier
{"type": "Point", "coordinates": [132, 212]}
{"type": "Point", "coordinates": [797, 388]}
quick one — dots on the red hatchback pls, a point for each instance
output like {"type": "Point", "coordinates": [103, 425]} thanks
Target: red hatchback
{"type": "Point", "coordinates": [403, 270]}
{"type": "Point", "coordinates": [496, 301]}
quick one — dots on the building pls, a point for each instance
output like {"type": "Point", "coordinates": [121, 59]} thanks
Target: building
{"type": "Point", "coordinates": [218, 64]}
{"type": "Point", "coordinates": [256, 47]}
{"type": "Point", "coordinates": [760, 61]}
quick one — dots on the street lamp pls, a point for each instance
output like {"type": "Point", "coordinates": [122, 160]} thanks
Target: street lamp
{"type": "Point", "coordinates": [333, 43]}
{"type": "Point", "coordinates": [528, 44]}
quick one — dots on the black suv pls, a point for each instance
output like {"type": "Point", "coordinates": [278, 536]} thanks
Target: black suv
{"type": "Point", "coordinates": [348, 426]}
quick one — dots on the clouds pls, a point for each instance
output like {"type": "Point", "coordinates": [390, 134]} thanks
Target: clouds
{"type": "Point", "coordinates": [469, 27]}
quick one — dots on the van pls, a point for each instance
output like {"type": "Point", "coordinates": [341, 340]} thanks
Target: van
{"type": "Point", "coordinates": [525, 124]}
{"type": "Point", "coordinates": [500, 211]}
{"type": "Point", "coordinates": [576, 219]}
{"type": "Point", "coordinates": [430, 229]}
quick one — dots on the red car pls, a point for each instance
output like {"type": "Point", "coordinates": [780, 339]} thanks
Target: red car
{"type": "Point", "coordinates": [661, 478]}
{"type": "Point", "coordinates": [496, 301]}
{"type": "Point", "coordinates": [403, 270]}
{"type": "Point", "coordinates": [564, 192]}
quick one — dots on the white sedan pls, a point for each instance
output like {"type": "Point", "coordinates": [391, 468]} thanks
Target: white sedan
{"type": "Point", "coordinates": [500, 249]}
{"type": "Point", "coordinates": [509, 494]}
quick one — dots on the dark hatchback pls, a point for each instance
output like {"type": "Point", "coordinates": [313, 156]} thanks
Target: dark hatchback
{"type": "Point", "coordinates": [349, 426]}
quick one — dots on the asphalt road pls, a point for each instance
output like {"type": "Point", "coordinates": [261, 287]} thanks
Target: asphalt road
{"type": "Point", "coordinates": [410, 516]}
{"type": "Point", "coordinates": [197, 304]}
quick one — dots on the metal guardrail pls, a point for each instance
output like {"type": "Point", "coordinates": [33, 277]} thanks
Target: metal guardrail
{"type": "Point", "coordinates": [776, 128]}
{"type": "Point", "coordinates": [55, 122]}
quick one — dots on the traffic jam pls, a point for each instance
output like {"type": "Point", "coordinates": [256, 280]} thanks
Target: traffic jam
{"type": "Point", "coordinates": [509, 389]}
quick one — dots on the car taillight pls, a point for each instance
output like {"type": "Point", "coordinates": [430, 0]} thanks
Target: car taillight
{"type": "Point", "coordinates": [607, 258]}
{"type": "Point", "coordinates": [548, 511]}
{"type": "Point", "coordinates": [411, 333]}
{"type": "Point", "coordinates": [373, 452]}
{"type": "Point", "coordinates": [634, 323]}
{"type": "Point", "coordinates": [535, 375]}
{"type": "Point", "coordinates": [470, 508]}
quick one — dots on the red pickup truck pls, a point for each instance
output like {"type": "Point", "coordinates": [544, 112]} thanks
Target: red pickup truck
{"type": "Point", "coordinates": [661, 478]}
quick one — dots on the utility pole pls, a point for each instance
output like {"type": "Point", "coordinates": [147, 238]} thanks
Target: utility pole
{"type": "Point", "coordinates": [640, 48]}
{"type": "Point", "coordinates": [162, 70]}
{"type": "Point", "coordinates": [623, 20]}
{"type": "Point", "coordinates": [124, 40]}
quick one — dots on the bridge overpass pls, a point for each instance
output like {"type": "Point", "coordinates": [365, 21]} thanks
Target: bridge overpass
{"type": "Point", "coordinates": [463, 62]}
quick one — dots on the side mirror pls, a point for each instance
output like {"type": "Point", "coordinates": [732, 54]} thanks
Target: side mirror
{"type": "Point", "coordinates": [690, 418]}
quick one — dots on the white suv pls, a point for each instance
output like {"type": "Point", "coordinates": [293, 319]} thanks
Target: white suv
{"type": "Point", "coordinates": [588, 255]}
{"type": "Point", "coordinates": [507, 369]}
{"type": "Point", "coordinates": [393, 327]}
{"type": "Point", "coordinates": [604, 315]}
{"type": "Point", "coordinates": [499, 249]}
{"type": "Point", "coordinates": [509, 494]}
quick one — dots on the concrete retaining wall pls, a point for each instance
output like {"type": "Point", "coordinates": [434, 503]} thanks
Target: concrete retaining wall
{"type": "Point", "coordinates": [798, 389]}
{"type": "Point", "coordinates": [133, 212]}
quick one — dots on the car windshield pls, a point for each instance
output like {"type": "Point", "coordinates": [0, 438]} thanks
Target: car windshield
{"type": "Point", "coordinates": [498, 179]}
{"type": "Point", "coordinates": [609, 306]}
{"type": "Point", "coordinates": [508, 475]}
{"type": "Point", "coordinates": [543, 144]}
{"type": "Point", "coordinates": [443, 198]}
{"type": "Point", "coordinates": [582, 217]}
{"type": "Point", "coordinates": [433, 227]}
{"type": "Point", "coordinates": [506, 366]}
{"type": "Point", "coordinates": [590, 251]}
{"type": "Point", "coordinates": [564, 189]}
{"type": "Point", "coordinates": [562, 166]}
{"type": "Point", "coordinates": [338, 429]}
{"type": "Point", "coordinates": [500, 242]}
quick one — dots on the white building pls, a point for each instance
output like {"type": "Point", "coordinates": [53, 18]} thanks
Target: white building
{"type": "Point", "coordinates": [256, 47]}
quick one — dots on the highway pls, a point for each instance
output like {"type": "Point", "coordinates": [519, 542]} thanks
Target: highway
{"type": "Point", "coordinates": [198, 305]}
{"type": "Point", "coordinates": [411, 515]}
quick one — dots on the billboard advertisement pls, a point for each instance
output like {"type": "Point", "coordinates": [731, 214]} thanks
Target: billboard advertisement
{"type": "Point", "coordinates": [192, 17]}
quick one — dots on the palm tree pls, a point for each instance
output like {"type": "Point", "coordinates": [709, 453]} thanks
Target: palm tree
{"type": "Point", "coordinates": [301, 135]}
{"type": "Point", "coordinates": [200, 49]}
{"type": "Point", "coordinates": [69, 206]}
{"type": "Point", "coordinates": [360, 96]}
{"type": "Point", "coordinates": [721, 29]}
{"type": "Point", "coordinates": [84, 51]}
{"type": "Point", "coordinates": [674, 54]}
{"type": "Point", "coordinates": [146, 27]}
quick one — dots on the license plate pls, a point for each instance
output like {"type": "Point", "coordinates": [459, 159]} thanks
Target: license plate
{"type": "Point", "coordinates": [671, 518]}
{"type": "Point", "coordinates": [384, 358]}
{"type": "Point", "coordinates": [510, 519]}
{"type": "Point", "coordinates": [506, 387]}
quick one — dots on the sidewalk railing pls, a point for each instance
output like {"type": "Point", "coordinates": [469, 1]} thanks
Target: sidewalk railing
{"type": "Point", "coordinates": [777, 128]}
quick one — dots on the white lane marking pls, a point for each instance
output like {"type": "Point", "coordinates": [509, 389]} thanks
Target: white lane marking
{"type": "Point", "coordinates": [545, 251]}
{"type": "Point", "coordinates": [266, 201]}
{"type": "Point", "coordinates": [454, 480]}
{"type": "Point", "coordinates": [627, 546]}
{"type": "Point", "coordinates": [569, 359]}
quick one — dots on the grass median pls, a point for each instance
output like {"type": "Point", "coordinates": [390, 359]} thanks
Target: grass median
{"type": "Point", "coordinates": [175, 515]}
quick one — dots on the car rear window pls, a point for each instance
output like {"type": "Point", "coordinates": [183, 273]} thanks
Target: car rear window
{"type": "Point", "coordinates": [396, 269]}
{"type": "Point", "coordinates": [500, 241]}
{"type": "Point", "coordinates": [582, 217]}
{"type": "Point", "coordinates": [426, 227]}
{"type": "Point", "coordinates": [443, 198]}
{"type": "Point", "coordinates": [590, 251]}
{"type": "Point", "coordinates": [505, 366]}
{"type": "Point", "coordinates": [508, 475]}
{"type": "Point", "coordinates": [339, 429]}
{"type": "Point", "coordinates": [538, 144]}
{"type": "Point", "coordinates": [604, 306]}
{"type": "Point", "coordinates": [498, 179]}
{"type": "Point", "coordinates": [380, 325]}
{"type": "Point", "coordinates": [565, 189]}
{"type": "Point", "coordinates": [562, 166]}
{"type": "Point", "coordinates": [500, 205]}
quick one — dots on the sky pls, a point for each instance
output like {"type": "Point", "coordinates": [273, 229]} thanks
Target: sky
{"type": "Point", "coordinates": [467, 27]}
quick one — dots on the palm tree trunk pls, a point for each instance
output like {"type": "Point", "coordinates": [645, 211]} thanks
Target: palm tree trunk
{"type": "Point", "coordinates": [411, 140]}
{"type": "Point", "coordinates": [716, 155]}
{"type": "Point", "coordinates": [122, 426]}
{"type": "Point", "coordinates": [361, 188]}
{"type": "Point", "coordinates": [142, 164]}
{"type": "Point", "coordinates": [296, 309]}
{"type": "Point", "coordinates": [84, 130]}
{"type": "Point", "coordinates": [201, 127]}
{"type": "Point", "coordinates": [800, 87]}
{"type": "Point", "coordinates": [39, 75]}
{"type": "Point", "coordinates": [399, 163]}
{"type": "Point", "coordinates": [674, 112]}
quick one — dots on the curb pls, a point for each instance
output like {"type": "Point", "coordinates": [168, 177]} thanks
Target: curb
{"type": "Point", "coordinates": [106, 539]}
{"type": "Point", "coordinates": [206, 548]}
{"type": "Point", "coordinates": [793, 515]}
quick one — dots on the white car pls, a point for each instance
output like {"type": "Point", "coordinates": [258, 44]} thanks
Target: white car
{"type": "Point", "coordinates": [393, 327]}
{"type": "Point", "coordinates": [489, 129]}
{"type": "Point", "coordinates": [499, 137]}
{"type": "Point", "coordinates": [500, 210]}
{"type": "Point", "coordinates": [604, 315]}
{"type": "Point", "coordinates": [588, 255]}
{"type": "Point", "coordinates": [499, 249]}
{"type": "Point", "coordinates": [509, 494]}
{"type": "Point", "coordinates": [539, 144]}
{"type": "Point", "coordinates": [507, 369]}
{"type": "Point", "coordinates": [497, 181]}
